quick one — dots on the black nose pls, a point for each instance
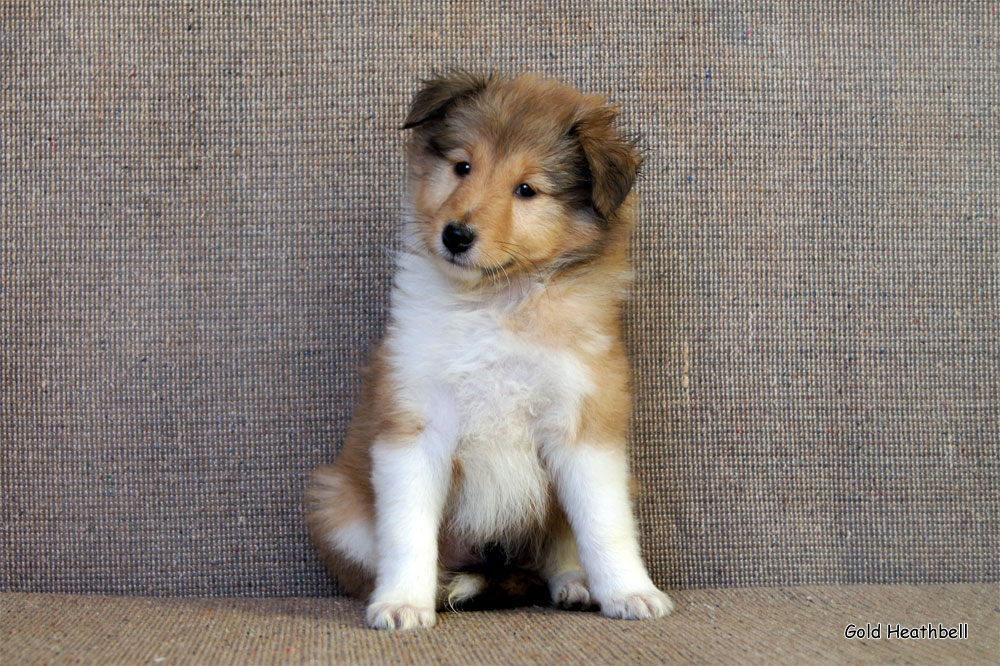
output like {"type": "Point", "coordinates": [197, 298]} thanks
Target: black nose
{"type": "Point", "coordinates": [458, 237]}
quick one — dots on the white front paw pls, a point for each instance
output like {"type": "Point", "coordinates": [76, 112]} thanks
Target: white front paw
{"type": "Point", "coordinates": [390, 615]}
{"type": "Point", "coordinates": [637, 606]}
{"type": "Point", "coordinates": [569, 590]}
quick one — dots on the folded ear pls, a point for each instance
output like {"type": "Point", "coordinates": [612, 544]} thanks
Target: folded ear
{"type": "Point", "coordinates": [439, 92]}
{"type": "Point", "coordinates": [612, 159]}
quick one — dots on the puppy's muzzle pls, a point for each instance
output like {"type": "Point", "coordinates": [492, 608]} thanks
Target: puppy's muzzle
{"type": "Point", "coordinates": [458, 237]}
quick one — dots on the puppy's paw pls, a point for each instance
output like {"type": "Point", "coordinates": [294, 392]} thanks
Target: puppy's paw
{"type": "Point", "coordinates": [462, 587]}
{"type": "Point", "coordinates": [638, 606]}
{"type": "Point", "coordinates": [569, 590]}
{"type": "Point", "coordinates": [389, 615]}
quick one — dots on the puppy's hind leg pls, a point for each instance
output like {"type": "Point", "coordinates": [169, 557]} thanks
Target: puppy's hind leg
{"type": "Point", "coordinates": [559, 564]}
{"type": "Point", "coordinates": [457, 588]}
{"type": "Point", "coordinates": [340, 520]}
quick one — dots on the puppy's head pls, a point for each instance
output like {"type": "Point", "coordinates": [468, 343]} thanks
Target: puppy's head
{"type": "Point", "coordinates": [509, 176]}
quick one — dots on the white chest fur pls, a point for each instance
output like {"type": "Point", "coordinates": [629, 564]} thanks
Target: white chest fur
{"type": "Point", "coordinates": [493, 395]}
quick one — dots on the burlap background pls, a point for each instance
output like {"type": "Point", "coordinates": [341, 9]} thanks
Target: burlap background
{"type": "Point", "coordinates": [198, 210]}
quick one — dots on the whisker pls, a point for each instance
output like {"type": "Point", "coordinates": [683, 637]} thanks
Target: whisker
{"type": "Point", "coordinates": [521, 255]}
{"type": "Point", "coordinates": [498, 265]}
{"type": "Point", "coordinates": [522, 284]}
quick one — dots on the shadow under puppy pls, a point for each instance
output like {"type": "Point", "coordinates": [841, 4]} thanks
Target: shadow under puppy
{"type": "Point", "coordinates": [493, 415]}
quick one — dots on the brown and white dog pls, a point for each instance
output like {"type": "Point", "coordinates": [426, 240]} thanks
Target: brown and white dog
{"type": "Point", "coordinates": [494, 412]}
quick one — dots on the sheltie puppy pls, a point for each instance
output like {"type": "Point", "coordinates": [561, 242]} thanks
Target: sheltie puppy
{"type": "Point", "coordinates": [492, 423]}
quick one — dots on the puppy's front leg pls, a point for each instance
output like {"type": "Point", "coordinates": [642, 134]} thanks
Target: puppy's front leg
{"type": "Point", "coordinates": [592, 484]}
{"type": "Point", "coordinates": [410, 480]}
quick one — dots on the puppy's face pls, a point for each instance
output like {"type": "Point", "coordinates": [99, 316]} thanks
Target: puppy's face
{"type": "Point", "coordinates": [513, 176]}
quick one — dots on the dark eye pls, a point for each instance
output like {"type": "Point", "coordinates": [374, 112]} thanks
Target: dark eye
{"type": "Point", "coordinates": [463, 169]}
{"type": "Point", "coordinates": [525, 191]}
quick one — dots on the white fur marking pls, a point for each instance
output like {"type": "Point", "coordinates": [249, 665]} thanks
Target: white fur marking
{"type": "Point", "coordinates": [410, 481]}
{"type": "Point", "coordinates": [463, 587]}
{"type": "Point", "coordinates": [356, 541]}
{"type": "Point", "coordinates": [502, 393]}
{"type": "Point", "coordinates": [592, 483]}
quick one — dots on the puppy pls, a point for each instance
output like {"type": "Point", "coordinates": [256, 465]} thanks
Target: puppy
{"type": "Point", "coordinates": [493, 416]}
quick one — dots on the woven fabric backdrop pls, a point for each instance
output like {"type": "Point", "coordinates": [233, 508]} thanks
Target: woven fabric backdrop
{"type": "Point", "coordinates": [199, 208]}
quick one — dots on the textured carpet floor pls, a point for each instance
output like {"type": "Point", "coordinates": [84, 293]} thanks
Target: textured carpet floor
{"type": "Point", "coordinates": [762, 625]}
